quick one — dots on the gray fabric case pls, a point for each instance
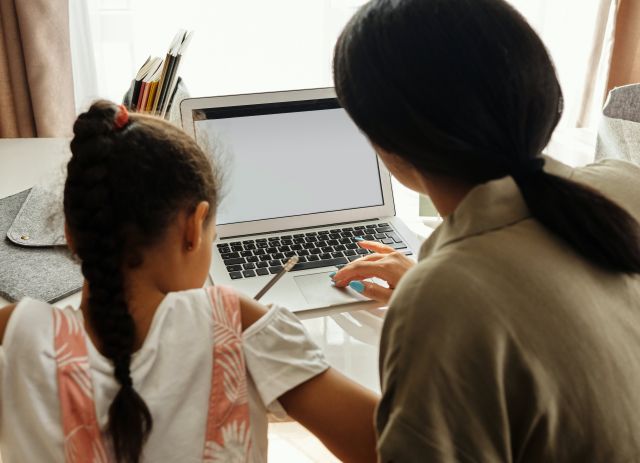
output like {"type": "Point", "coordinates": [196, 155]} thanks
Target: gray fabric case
{"type": "Point", "coordinates": [34, 260]}
{"type": "Point", "coordinates": [619, 130]}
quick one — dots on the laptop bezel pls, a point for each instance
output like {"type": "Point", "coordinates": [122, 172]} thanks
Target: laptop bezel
{"type": "Point", "coordinates": [318, 219]}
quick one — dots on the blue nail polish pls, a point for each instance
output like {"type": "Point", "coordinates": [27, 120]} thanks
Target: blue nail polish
{"type": "Point", "coordinates": [357, 286]}
{"type": "Point", "coordinates": [358, 238]}
{"type": "Point", "coordinates": [332, 274]}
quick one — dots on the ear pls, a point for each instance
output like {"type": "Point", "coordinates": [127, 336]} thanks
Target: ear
{"type": "Point", "coordinates": [69, 239]}
{"type": "Point", "coordinates": [194, 226]}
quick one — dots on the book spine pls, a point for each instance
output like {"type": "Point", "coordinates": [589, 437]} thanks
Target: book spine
{"type": "Point", "coordinates": [153, 86]}
{"type": "Point", "coordinates": [172, 86]}
{"type": "Point", "coordinates": [135, 94]}
{"type": "Point", "coordinates": [144, 94]}
{"type": "Point", "coordinates": [171, 60]}
{"type": "Point", "coordinates": [158, 96]}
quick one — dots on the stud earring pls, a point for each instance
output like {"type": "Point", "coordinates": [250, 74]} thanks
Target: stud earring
{"type": "Point", "coordinates": [189, 246]}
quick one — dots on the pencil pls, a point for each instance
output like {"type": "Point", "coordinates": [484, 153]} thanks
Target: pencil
{"type": "Point", "coordinates": [288, 266]}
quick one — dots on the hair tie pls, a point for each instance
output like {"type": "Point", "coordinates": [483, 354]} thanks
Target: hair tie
{"type": "Point", "coordinates": [122, 117]}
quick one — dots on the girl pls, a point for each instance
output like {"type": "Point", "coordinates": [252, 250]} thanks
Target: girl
{"type": "Point", "coordinates": [152, 366]}
{"type": "Point", "coordinates": [516, 337]}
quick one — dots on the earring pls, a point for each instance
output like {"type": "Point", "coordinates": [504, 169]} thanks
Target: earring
{"type": "Point", "coordinates": [189, 246]}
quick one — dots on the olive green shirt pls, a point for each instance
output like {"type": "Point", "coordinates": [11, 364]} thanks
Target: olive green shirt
{"type": "Point", "coordinates": [505, 345]}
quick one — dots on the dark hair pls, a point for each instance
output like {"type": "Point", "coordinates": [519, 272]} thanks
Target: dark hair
{"type": "Point", "coordinates": [124, 187]}
{"type": "Point", "coordinates": [466, 89]}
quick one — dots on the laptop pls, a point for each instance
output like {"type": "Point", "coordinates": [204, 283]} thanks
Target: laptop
{"type": "Point", "coordinates": [300, 179]}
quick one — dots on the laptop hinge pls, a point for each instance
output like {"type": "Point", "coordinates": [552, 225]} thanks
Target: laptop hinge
{"type": "Point", "coordinates": [291, 230]}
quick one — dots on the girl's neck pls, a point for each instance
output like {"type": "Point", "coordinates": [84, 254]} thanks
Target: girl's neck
{"type": "Point", "coordinates": [142, 305]}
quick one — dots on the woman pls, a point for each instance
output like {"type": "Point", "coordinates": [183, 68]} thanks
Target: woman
{"type": "Point", "coordinates": [516, 337]}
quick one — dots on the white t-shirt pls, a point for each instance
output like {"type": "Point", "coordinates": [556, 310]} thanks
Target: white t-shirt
{"type": "Point", "coordinates": [171, 371]}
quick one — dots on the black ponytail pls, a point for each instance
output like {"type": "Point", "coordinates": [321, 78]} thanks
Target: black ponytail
{"type": "Point", "coordinates": [594, 226]}
{"type": "Point", "coordinates": [466, 89]}
{"type": "Point", "coordinates": [125, 183]}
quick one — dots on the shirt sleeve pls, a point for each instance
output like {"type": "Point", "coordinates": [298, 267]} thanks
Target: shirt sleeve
{"type": "Point", "coordinates": [456, 387]}
{"type": "Point", "coordinates": [280, 355]}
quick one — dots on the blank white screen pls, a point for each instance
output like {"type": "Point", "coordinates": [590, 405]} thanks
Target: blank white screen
{"type": "Point", "coordinates": [289, 164]}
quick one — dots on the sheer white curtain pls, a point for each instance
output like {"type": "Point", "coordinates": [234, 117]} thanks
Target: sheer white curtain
{"type": "Point", "coordinates": [238, 45]}
{"type": "Point", "coordinates": [253, 45]}
{"type": "Point", "coordinates": [85, 77]}
{"type": "Point", "coordinates": [579, 34]}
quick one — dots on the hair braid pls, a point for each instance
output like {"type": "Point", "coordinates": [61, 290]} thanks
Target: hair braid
{"type": "Point", "coordinates": [127, 180]}
{"type": "Point", "coordinates": [98, 237]}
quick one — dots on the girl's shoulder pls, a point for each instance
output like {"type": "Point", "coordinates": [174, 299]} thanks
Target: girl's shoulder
{"type": "Point", "coordinates": [193, 311]}
{"type": "Point", "coordinates": [201, 301]}
{"type": "Point", "coordinates": [30, 324]}
{"type": "Point", "coordinates": [5, 315]}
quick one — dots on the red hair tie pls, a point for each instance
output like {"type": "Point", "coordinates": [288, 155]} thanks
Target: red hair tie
{"type": "Point", "coordinates": [122, 117]}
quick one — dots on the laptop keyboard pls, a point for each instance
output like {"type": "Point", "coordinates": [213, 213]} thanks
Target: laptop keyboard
{"type": "Point", "coordinates": [326, 248]}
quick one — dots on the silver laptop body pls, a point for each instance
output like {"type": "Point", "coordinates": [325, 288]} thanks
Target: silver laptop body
{"type": "Point", "coordinates": [300, 179]}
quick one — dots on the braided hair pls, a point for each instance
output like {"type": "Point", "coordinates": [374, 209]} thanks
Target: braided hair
{"type": "Point", "coordinates": [126, 182]}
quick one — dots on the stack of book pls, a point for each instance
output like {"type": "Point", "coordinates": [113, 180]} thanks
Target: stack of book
{"type": "Point", "coordinates": [153, 88]}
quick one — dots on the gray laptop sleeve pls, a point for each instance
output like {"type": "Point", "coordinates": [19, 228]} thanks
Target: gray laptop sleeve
{"type": "Point", "coordinates": [619, 130]}
{"type": "Point", "coordinates": [34, 259]}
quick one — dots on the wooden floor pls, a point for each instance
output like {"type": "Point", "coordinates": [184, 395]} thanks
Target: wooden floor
{"type": "Point", "coordinates": [291, 442]}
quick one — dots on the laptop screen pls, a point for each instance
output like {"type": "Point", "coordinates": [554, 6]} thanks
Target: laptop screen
{"type": "Point", "coordinates": [289, 159]}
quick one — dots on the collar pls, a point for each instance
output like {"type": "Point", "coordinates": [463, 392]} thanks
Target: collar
{"type": "Point", "coordinates": [489, 206]}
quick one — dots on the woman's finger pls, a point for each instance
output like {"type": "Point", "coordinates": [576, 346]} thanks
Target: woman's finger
{"type": "Point", "coordinates": [372, 290]}
{"type": "Point", "coordinates": [368, 257]}
{"type": "Point", "coordinates": [375, 247]}
{"type": "Point", "coordinates": [361, 269]}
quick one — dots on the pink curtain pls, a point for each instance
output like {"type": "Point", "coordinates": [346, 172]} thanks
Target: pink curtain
{"type": "Point", "coordinates": [36, 80]}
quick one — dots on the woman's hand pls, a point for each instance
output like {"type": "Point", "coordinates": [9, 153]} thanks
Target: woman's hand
{"type": "Point", "coordinates": [386, 264]}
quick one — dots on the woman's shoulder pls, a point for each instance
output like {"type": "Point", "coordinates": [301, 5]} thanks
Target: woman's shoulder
{"type": "Point", "coordinates": [617, 179]}
{"type": "Point", "coordinates": [607, 170]}
{"type": "Point", "coordinates": [449, 280]}
{"type": "Point", "coordinates": [441, 302]}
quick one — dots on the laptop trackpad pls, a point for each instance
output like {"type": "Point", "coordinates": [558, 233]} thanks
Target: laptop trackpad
{"type": "Point", "coordinates": [319, 292]}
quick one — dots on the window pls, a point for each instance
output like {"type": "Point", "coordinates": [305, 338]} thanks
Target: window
{"type": "Point", "coordinates": [238, 46]}
{"type": "Point", "coordinates": [244, 46]}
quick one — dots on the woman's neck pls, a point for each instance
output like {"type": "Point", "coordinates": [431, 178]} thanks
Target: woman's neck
{"type": "Point", "coordinates": [446, 194]}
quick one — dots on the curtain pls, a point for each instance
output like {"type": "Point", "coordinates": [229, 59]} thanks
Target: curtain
{"type": "Point", "coordinates": [83, 60]}
{"type": "Point", "coordinates": [625, 66]}
{"type": "Point", "coordinates": [36, 81]}
{"type": "Point", "coordinates": [579, 35]}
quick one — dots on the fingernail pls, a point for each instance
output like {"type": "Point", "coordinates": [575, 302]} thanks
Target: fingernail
{"type": "Point", "coordinates": [357, 286]}
{"type": "Point", "coordinates": [332, 274]}
{"type": "Point", "coordinates": [358, 238]}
